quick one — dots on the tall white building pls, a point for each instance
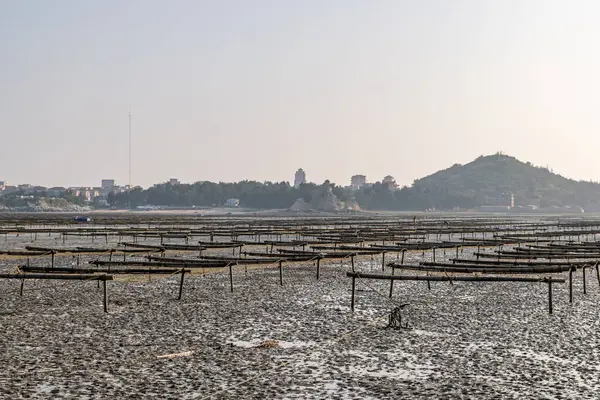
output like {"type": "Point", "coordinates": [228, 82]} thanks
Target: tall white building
{"type": "Point", "coordinates": [299, 178]}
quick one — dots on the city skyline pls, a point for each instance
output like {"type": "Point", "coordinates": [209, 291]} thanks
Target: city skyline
{"type": "Point", "coordinates": [110, 182]}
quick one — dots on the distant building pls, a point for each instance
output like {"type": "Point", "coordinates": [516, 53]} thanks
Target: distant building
{"type": "Point", "coordinates": [87, 193]}
{"type": "Point", "coordinates": [358, 181]}
{"type": "Point", "coordinates": [299, 178]}
{"type": "Point", "coordinates": [29, 189]}
{"type": "Point", "coordinates": [108, 184]}
{"type": "Point", "coordinates": [56, 191]}
{"type": "Point", "coordinates": [390, 181]}
{"type": "Point", "coordinates": [8, 189]}
{"type": "Point", "coordinates": [232, 203]}
{"type": "Point", "coordinates": [174, 181]}
{"type": "Point", "coordinates": [2, 185]}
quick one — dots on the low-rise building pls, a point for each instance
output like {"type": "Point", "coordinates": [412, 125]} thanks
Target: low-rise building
{"type": "Point", "coordinates": [57, 191]}
{"type": "Point", "coordinates": [86, 192]}
{"type": "Point", "coordinates": [28, 190]}
{"type": "Point", "coordinates": [232, 203]}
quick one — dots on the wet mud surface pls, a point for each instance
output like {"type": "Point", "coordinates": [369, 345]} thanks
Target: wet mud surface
{"type": "Point", "coordinates": [465, 340]}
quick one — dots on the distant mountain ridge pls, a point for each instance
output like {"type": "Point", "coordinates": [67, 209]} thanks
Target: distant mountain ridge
{"type": "Point", "coordinates": [491, 180]}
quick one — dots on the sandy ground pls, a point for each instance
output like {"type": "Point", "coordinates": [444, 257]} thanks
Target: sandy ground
{"type": "Point", "coordinates": [467, 340]}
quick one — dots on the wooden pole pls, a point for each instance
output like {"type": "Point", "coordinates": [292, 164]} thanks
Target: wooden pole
{"type": "Point", "coordinates": [352, 262]}
{"type": "Point", "coordinates": [281, 273]}
{"type": "Point", "coordinates": [181, 284]}
{"type": "Point", "coordinates": [550, 296]}
{"type": "Point", "coordinates": [571, 285]}
{"type": "Point", "coordinates": [318, 267]}
{"type": "Point", "coordinates": [52, 259]}
{"type": "Point", "coordinates": [392, 281]}
{"type": "Point", "coordinates": [105, 297]}
{"type": "Point", "coordinates": [231, 276]}
{"type": "Point", "coordinates": [383, 261]}
{"type": "Point", "coordinates": [584, 285]}
{"type": "Point", "coordinates": [353, 289]}
{"type": "Point", "coordinates": [22, 284]}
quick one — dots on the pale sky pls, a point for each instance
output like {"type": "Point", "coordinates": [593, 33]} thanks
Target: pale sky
{"type": "Point", "coordinates": [226, 90]}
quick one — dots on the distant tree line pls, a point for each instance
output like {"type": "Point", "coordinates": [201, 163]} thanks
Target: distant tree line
{"type": "Point", "coordinates": [263, 195]}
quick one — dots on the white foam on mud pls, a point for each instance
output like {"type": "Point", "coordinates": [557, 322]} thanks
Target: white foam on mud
{"type": "Point", "coordinates": [539, 356]}
{"type": "Point", "coordinates": [480, 345]}
{"type": "Point", "coordinates": [426, 333]}
{"type": "Point", "coordinates": [412, 372]}
{"type": "Point", "coordinates": [247, 344]}
{"type": "Point", "coordinates": [45, 388]}
{"type": "Point", "coordinates": [406, 366]}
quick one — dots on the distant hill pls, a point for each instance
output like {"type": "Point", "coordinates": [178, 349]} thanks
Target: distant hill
{"type": "Point", "coordinates": [487, 181]}
{"type": "Point", "coordinates": [490, 180]}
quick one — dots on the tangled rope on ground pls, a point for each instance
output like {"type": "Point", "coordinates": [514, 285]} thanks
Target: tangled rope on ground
{"type": "Point", "coordinates": [395, 321]}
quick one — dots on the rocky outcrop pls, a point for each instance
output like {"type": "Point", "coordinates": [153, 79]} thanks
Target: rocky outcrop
{"type": "Point", "coordinates": [323, 199]}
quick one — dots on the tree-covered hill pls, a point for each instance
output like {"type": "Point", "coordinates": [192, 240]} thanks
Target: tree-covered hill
{"type": "Point", "coordinates": [489, 180]}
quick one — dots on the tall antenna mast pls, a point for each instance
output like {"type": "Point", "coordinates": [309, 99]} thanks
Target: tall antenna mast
{"type": "Point", "coordinates": [130, 150]}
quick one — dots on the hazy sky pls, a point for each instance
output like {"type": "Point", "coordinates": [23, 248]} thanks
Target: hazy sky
{"type": "Point", "coordinates": [226, 90]}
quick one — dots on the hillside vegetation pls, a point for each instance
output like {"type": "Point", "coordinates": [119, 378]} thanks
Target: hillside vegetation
{"type": "Point", "coordinates": [490, 180]}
